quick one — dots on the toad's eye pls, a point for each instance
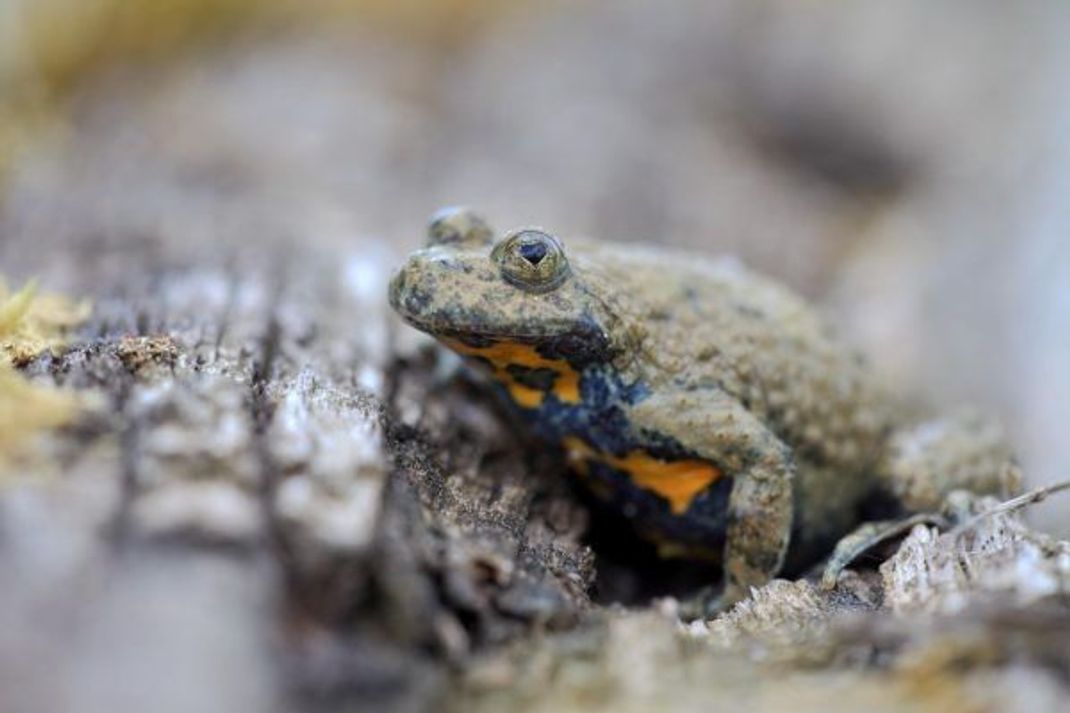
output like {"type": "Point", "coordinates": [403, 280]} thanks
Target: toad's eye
{"type": "Point", "coordinates": [532, 260]}
{"type": "Point", "coordinates": [454, 226]}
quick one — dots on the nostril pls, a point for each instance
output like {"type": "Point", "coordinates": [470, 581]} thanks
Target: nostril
{"type": "Point", "coordinates": [533, 252]}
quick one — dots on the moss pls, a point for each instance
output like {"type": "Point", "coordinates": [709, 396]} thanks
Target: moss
{"type": "Point", "coordinates": [26, 411]}
{"type": "Point", "coordinates": [31, 323]}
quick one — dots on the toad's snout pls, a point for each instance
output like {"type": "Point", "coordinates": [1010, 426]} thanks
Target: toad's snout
{"type": "Point", "coordinates": [430, 280]}
{"type": "Point", "coordinates": [411, 292]}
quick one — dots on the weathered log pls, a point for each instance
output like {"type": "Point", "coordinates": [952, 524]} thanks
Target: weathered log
{"type": "Point", "coordinates": [272, 496]}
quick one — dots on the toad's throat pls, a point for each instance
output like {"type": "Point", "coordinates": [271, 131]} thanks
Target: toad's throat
{"type": "Point", "coordinates": [679, 482]}
{"type": "Point", "coordinates": [528, 375]}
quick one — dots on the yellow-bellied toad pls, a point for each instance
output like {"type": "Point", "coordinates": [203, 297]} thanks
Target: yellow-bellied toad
{"type": "Point", "coordinates": [711, 403]}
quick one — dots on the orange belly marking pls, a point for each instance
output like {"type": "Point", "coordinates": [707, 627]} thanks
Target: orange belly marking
{"type": "Point", "coordinates": [679, 482]}
{"type": "Point", "coordinates": [502, 355]}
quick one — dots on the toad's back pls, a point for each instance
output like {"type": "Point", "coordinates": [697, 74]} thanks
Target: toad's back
{"type": "Point", "coordinates": [711, 324]}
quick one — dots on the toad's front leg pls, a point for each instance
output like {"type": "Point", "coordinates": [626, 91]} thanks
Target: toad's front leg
{"type": "Point", "coordinates": [758, 521]}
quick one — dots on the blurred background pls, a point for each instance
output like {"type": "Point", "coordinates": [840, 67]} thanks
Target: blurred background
{"type": "Point", "coordinates": [906, 165]}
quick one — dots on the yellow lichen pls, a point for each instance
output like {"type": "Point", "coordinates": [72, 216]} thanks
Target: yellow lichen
{"type": "Point", "coordinates": [29, 325]}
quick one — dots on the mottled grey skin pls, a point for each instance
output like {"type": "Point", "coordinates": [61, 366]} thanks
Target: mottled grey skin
{"type": "Point", "coordinates": [739, 371]}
